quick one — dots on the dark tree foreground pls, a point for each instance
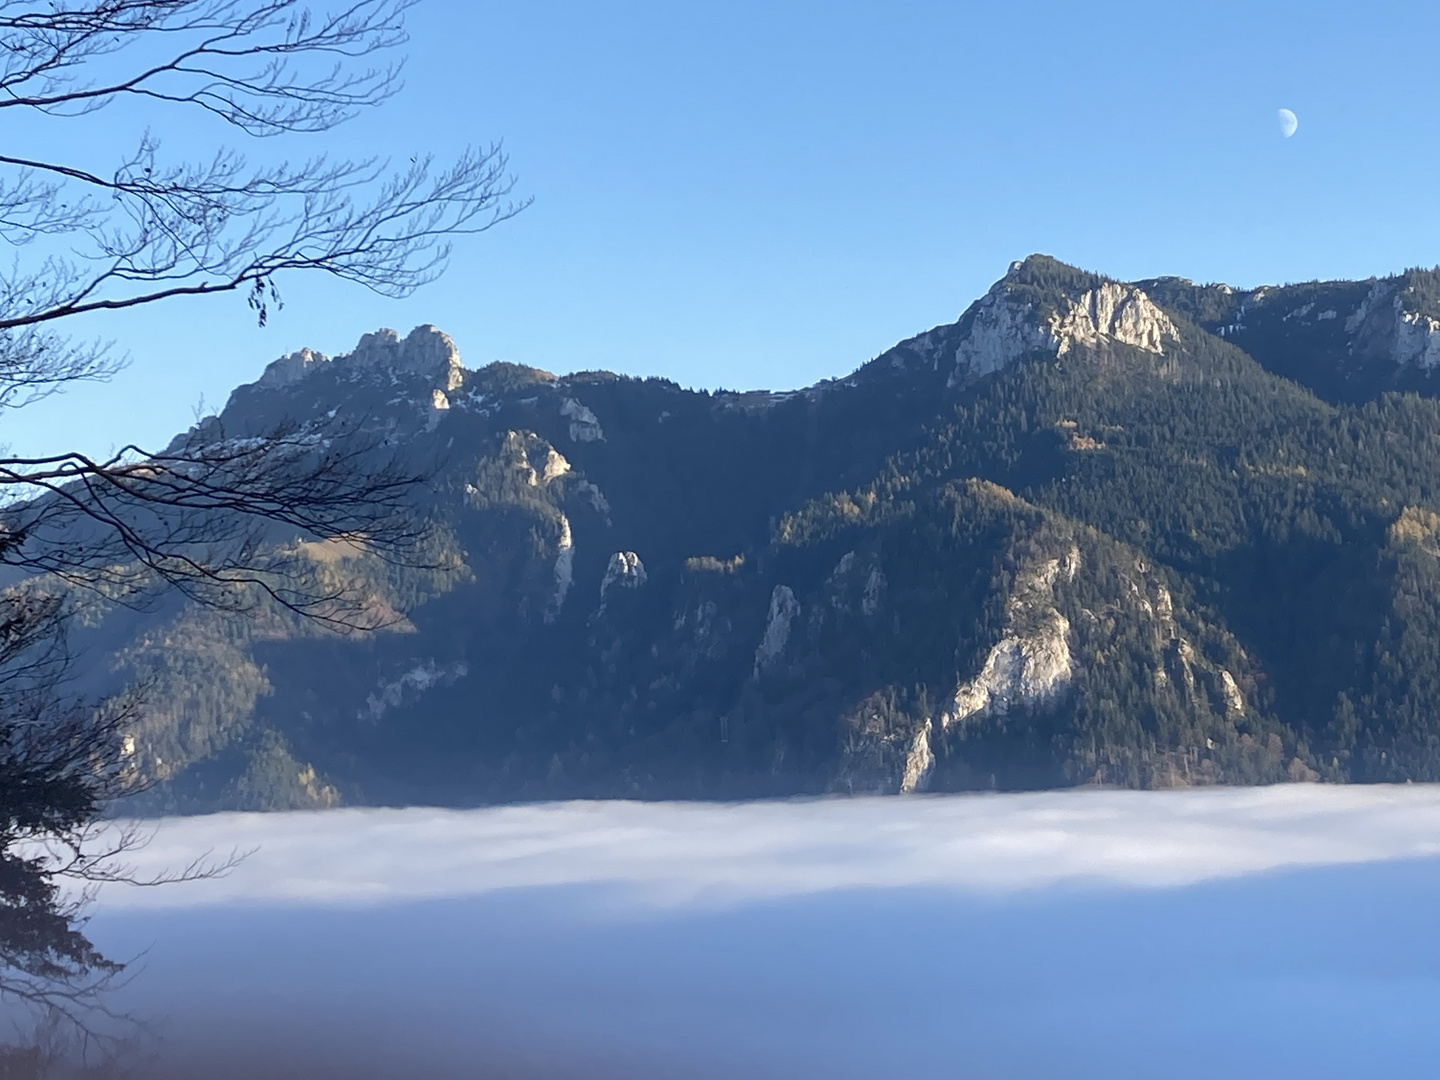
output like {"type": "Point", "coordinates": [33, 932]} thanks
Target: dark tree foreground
{"type": "Point", "coordinates": [86, 236]}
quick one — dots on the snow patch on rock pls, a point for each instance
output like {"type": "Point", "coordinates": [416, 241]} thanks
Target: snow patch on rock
{"type": "Point", "coordinates": [409, 687]}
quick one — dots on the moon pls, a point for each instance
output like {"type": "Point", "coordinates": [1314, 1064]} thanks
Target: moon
{"type": "Point", "coordinates": [1288, 123]}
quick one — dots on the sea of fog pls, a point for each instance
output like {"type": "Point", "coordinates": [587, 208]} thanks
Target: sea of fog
{"type": "Point", "coordinates": [1276, 932]}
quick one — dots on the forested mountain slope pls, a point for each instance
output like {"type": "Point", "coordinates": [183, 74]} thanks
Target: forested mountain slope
{"type": "Point", "coordinates": [1145, 534]}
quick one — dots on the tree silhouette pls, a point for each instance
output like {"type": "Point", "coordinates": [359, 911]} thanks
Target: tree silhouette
{"type": "Point", "coordinates": [199, 516]}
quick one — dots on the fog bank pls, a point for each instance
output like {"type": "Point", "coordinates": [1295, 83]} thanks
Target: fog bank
{"type": "Point", "coordinates": [1089, 935]}
{"type": "Point", "coordinates": [666, 854]}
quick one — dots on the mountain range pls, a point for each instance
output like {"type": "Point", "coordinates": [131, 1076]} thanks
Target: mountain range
{"type": "Point", "coordinates": [1147, 534]}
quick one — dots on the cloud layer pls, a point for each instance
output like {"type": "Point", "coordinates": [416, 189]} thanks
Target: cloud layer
{"type": "Point", "coordinates": [693, 854]}
{"type": "Point", "coordinates": [1084, 935]}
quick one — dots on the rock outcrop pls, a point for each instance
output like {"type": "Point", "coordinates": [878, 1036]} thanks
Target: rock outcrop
{"type": "Point", "coordinates": [1112, 313]}
{"type": "Point", "coordinates": [1030, 667]}
{"type": "Point", "coordinates": [564, 571]}
{"type": "Point", "coordinates": [584, 424]}
{"type": "Point", "coordinates": [291, 368]}
{"type": "Point", "coordinates": [624, 571]}
{"type": "Point", "coordinates": [1004, 326]}
{"type": "Point", "coordinates": [919, 762]}
{"type": "Point", "coordinates": [783, 609]}
{"type": "Point", "coordinates": [426, 352]}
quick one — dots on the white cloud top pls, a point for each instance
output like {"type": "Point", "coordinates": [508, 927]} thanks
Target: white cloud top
{"type": "Point", "coordinates": [706, 855]}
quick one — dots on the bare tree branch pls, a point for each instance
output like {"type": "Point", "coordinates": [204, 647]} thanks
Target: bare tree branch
{"type": "Point", "coordinates": [221, 520]}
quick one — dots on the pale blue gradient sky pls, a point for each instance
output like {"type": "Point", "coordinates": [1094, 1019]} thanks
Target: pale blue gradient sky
{"type": "Point", "coordinates": [768, 193]}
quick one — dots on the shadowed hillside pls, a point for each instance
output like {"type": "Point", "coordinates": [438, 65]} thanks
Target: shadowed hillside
{"type": "Point", "coordinates": [1146, 534]}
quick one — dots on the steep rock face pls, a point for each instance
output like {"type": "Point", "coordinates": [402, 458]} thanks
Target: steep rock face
{"type": "Point", "coordinates": [564, 570]}
{"type": "Point", "coordinates": [624, 571]}
{"type": "Point", "coordinates": [426, 352]}
{"type": "Point", "coordinates": [919, 762]}
{"type": "Point", "coordinates": [584, 424]}
{"type": "Point", "coordinates": [783, 609]}
{"type": "Point", "coordinates": [1030, 667]}
{"type": "Point", "coordinates": [291, 368]}
{"type": "Point", "coordinates": [1417, 340]}
{"type": "Point", "coordinates": [1346, 340]}
{"type": "Point", "coordinates": [1002, 329]}
{"type": "Point", "coordinates": [1385, 326]}
{"type": "Point", "coordinates": [1015, 319]}
{"type": "Point", "coordinates": [1112, 313]}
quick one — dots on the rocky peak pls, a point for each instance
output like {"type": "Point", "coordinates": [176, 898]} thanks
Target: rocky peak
{"type": "Point", "coordinates": [426, 351]}
{"type": "Point", "coordinates": [291, 368]}
{"type": "Point", "coordinates": [1041, 305]}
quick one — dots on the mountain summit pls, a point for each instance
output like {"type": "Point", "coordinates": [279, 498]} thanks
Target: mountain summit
{"type": "Point", "coordinates": [1149, 534]}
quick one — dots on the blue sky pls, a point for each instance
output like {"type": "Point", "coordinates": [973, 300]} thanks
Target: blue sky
{"type": "Point", "coordinates": [749, 194]}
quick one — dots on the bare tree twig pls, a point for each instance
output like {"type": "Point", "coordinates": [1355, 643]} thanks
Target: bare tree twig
{"type": "Point", "coordinates": [222, 520]}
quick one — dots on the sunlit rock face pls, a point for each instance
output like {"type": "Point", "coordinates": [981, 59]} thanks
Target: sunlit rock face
{"type": "Point", "coordinates": [1005, 326]}
{"type": "Point", "coordinates": [291, 368]}
{"type": "Point", "coordinates": [1003, 330]}
{"type": "Point", "coordinates": [919, 762]}
{"type": "Point", "coordinates": [1031, 665]}
{"type": "Point", "coordinates": [1113, 312]}
{"type": "Point", "coordinates": [1033, 670]}
{"type": "Point", "coordinates": [564, 570]}
{"type": "Point", "coordinates": [625, 571]}
{"type": "Point", "coordinates": [1384, 321]}
{"type": "Point", "coordinates": [426, 351]}
{"type": "Point", "coordinates": [584, 424]}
